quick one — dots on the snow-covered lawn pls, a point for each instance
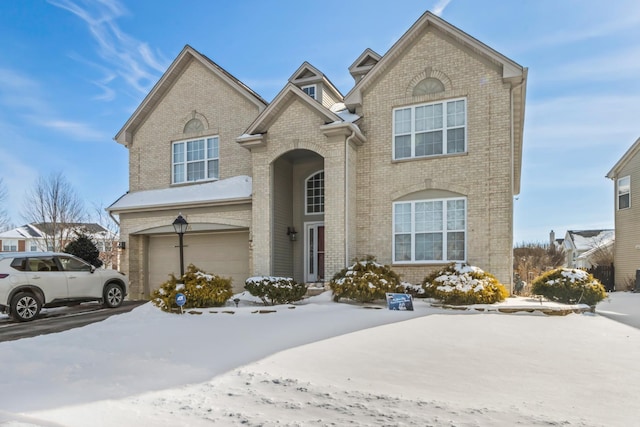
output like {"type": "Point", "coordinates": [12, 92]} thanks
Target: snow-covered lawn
{"type": "Point", "coordinates": [323, 363]}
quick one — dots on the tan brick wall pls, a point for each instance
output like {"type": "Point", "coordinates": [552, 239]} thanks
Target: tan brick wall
{"type": "Point", "coordinates": [483, 174]}
{"type": "Point", "coordinates": [224, 112]}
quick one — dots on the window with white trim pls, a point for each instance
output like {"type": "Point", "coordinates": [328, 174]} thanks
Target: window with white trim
{"type": "Point", "coordinates": [195, 160]}
{"type": "Point", "coordinates": [314, 198]}
{"type": "Point", "coordinates": [430, 129]}
{"type": "Point", "coordinates": [429, 230]}
{"type": "Point", "coordinates": [9, 245]}
{"type": "Point", "coordinates": [310, 90]}
{"type": "Point", "coordinates": [624, 192]}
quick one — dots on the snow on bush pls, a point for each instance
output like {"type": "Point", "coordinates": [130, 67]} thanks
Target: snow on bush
{"type": "Point", "coordinates": [461, 283]}
{"type": "Point", "coordinates": [569, 286]}
{"type": "Point", "coordinates": [275, 290]}
{"type": "Point", "coordinates": [365, 281]}
{"type": "Point", "coordinates": [201, 289]}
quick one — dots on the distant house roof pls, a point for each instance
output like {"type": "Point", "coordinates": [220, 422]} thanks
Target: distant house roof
{"type": "Point", "coordinates": [584, 240]}
{"type": "Point", "coordinates": [37, 230]}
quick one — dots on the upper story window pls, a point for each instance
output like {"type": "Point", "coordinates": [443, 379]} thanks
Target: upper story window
{"type": "Point", "coordinates": [310, 90]}
{"type": "Point", "coordinates": [9, 245]}
{"type": "Point", "coordinates": [430, 231]}
{"type": "Point", "coordinates": [195, 160]}
{"type": "Point", "coordinates": [624, 192]}
{"type": "Point", "coordinates": [430, 129]}
{"type": "Point", "coordinates": [314, 200]}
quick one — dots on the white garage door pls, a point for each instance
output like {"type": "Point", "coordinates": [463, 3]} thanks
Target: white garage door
{"type": "Point", "coordinates": [225, 254]}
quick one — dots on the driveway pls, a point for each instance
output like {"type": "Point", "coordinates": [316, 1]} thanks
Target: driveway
{"type": "Point", "coordinates": [623, 307]}
{"type": "Point", "coordinates": [60, 319]}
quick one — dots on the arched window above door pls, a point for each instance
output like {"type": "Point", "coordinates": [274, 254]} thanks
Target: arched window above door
{"type": "Point", "coordinates": [314, 194]}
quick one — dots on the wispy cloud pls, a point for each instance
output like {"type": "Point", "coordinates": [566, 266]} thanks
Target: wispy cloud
{"type": "Point", "coordinates": [132, 61]}
{"type": "Point", "coordinates": [78, 130]}
{"type": "Point", "coordinates": [440, 6]}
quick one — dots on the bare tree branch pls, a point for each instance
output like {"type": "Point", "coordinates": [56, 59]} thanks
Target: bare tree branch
{"type": "Point", "coordinates": [55, 208]}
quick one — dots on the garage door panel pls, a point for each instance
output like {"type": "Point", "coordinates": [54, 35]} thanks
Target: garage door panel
{"type": "Point", "coordinates": [224, 254]}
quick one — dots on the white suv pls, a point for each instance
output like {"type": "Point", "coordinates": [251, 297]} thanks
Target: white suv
{"type": "Point", "coordinates": [30, 281]}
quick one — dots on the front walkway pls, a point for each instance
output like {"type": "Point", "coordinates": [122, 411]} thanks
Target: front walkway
{"type": "Point", "coordinates": [623, 307]}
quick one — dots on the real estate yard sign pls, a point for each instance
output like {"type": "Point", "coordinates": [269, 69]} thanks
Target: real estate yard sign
{"type": "Point", "coordinates": [402, 302]}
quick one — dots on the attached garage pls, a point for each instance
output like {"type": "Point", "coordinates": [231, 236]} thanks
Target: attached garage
{"type": "Point", "coordinates": [223, 253]}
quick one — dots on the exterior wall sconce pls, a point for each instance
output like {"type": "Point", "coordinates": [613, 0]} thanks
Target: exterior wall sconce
{"type": "Point", "coordinates": [292, 233]}
{"type": "Point", "coordinates": [122, 245]}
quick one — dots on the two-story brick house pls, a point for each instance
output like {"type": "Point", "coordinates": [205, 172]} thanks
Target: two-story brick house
{"type": "Point", "coordinates": [417, 165]}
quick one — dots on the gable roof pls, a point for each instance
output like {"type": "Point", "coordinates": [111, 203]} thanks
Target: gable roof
{"type": "Point", "coordinates": [583, 240]}
{"type": "Point", "coordinates": [512, 73]}
{"type": "Point", "coordinates": [631, 152]}
{"type": "Point", "coordinates": [125, 135]}
{"type": "Point", "coordinates": [364, 63]}
{"type": "Point", "coordinates": [278, 105]}
{"type": "Point", "coordinates": [307, 74]}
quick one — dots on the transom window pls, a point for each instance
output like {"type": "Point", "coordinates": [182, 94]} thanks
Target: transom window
{"type": "Point", "coordinates": [624, 192]}
{"type": "Point", "coordinates": [195, 160]}
{"type": "Point", "coordinates": [430, 129]}
{"type": "Point", "coordinates": [310, 90]}
{"type": "Point", "coordinates": [429, 230]}
{"type": "Point", "coordinates": [314, 200]}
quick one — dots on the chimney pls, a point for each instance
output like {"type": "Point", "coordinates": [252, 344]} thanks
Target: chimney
{"type": "Point", "coordinates": [552, 238]}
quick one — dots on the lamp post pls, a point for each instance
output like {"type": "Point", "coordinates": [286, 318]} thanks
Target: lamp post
{"type": "Point", "coordinates": [180, 226]}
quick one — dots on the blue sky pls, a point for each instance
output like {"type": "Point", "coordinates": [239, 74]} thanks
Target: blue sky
{"type": "Point", "coordinates": [73, 71]}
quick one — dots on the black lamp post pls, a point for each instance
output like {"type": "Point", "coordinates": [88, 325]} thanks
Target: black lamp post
{"type": "Point", "coordinates": [180, 226]}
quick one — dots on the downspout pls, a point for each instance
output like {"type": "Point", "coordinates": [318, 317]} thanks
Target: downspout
{"type": "Point", "coordinates": [346, 196]}
{"type": "Point", "coordinates": [513, 181]}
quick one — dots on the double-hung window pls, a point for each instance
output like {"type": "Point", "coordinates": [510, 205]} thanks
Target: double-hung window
{"type": "Point", "coordinates": [429, 230]}
{"type": "Point", "coordinates": [310, 90]}
{"type": "Point", "coordinates": [9, 245]}
{"type": "Point", "coordinates": [195, 160]}
{"type": "Point", "coordinates": [430, 129]}
{"type": "Point", "coordinates": [624, 192]}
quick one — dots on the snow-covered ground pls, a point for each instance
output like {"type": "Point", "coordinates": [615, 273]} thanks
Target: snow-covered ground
{"type": "Point", "coordinates": [323, 363]}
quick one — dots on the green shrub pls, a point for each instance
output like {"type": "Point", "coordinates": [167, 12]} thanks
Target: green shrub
{"type": "Point", "coordinates": [201, 289]}
{"type": "Point", "coordinates": [569, 286]}
{"type": "Point", "coordinates": [275, 290]}
{"type": "Point", "coordinates": [462, 284]}
{"type": "Point", "coordinates": [365, 281]}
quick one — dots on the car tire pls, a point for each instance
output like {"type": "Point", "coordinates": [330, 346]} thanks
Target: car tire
{"type": "Point", "coordinates": [113, 295]}
{"type": "Point", "coordinates": [25, 306]}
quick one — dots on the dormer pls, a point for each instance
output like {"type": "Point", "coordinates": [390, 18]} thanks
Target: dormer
{"type": "Point", "coordinates": [315, 84]}
{"type": "Point", "coordinates": [363, 64]}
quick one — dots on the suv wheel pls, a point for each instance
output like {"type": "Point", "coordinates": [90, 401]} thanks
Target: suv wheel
{"type": "Point", "coordinates": [113, 295]}
{"type": "Point", "coordinates": [25, 306]}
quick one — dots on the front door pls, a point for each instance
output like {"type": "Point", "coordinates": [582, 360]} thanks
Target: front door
{"type": "Point", "coordinates": [314, 252]}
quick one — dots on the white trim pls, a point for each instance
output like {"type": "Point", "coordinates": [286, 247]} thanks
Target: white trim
{"type": "Point", "coordinates": [412, 132]}
{"type": "Point", "coordinates": [618, 194]}
{"type": "Point", "coordinates": [315, 90]}
{"type": "Point", "coordinates": [308, 226]}
{"type": "Point", "coordinates": [306, 181]}
{"type": "Point", "coordinates": [444, 231]}
{"type": "Point", "coordinates": [185, 162]}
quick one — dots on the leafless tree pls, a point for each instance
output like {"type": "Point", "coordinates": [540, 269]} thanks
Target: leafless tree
{"type": "Point", "coordinates": [55, 208]}
{"type": "Point", "coordinates": [110, 241]}
{"type": "Point", "coordinates": [532, 259]}
{"type": "Point", "coordinates": [4, 216]}
{"type": "Point", "coordinates": [602, 251]}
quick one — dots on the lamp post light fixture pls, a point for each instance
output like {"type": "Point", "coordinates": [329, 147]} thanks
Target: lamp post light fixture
{"type": "Point", "coordinates": [180, 226]}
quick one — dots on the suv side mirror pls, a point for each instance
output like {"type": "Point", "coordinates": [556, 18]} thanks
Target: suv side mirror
{"type": "Point", "coordinates": [93, 268]}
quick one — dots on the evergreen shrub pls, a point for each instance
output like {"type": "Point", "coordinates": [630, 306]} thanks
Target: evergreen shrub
{"type": "Point", "coordinates": [201, 289]}
{"type": "Point", "coordinates": [84, 248]}
{"type": "Point", "coordinates": [365, 281]}
{"type": "Point", "coordinates": [275, 290]}
{"type": "Point", "coordinates": [462, 284]}
{"type": "Point", "coordinates": [569, 286]}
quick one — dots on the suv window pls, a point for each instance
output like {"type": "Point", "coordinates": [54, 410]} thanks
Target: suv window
{"type": "Point", "coordinates": [73, 264]}
{"type": "Point", "coordinates": [19, 264]}
{"type": "Point", "coordinates": [42, 264]}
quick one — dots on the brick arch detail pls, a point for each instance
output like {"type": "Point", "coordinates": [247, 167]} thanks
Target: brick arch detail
{"type": "Point", "coordinates": [194, 114]}
{"type": "Point", "coordinates": [429, 72]}
{"type": "Point", "coordinates": [431, 184]}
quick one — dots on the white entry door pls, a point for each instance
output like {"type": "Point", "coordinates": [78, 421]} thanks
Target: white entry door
{"type": "Point", "coordinates": [314, 251]}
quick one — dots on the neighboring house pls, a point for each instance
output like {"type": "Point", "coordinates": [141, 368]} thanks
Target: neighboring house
{"type": "Point", "coordinates": [417, 165]}
{"type": "Point", "coordinates": [584, 248]}
{"type": "Point", "coordinates": [626, 177]}
{"type": "Point", "coordinates": [37, 237]}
